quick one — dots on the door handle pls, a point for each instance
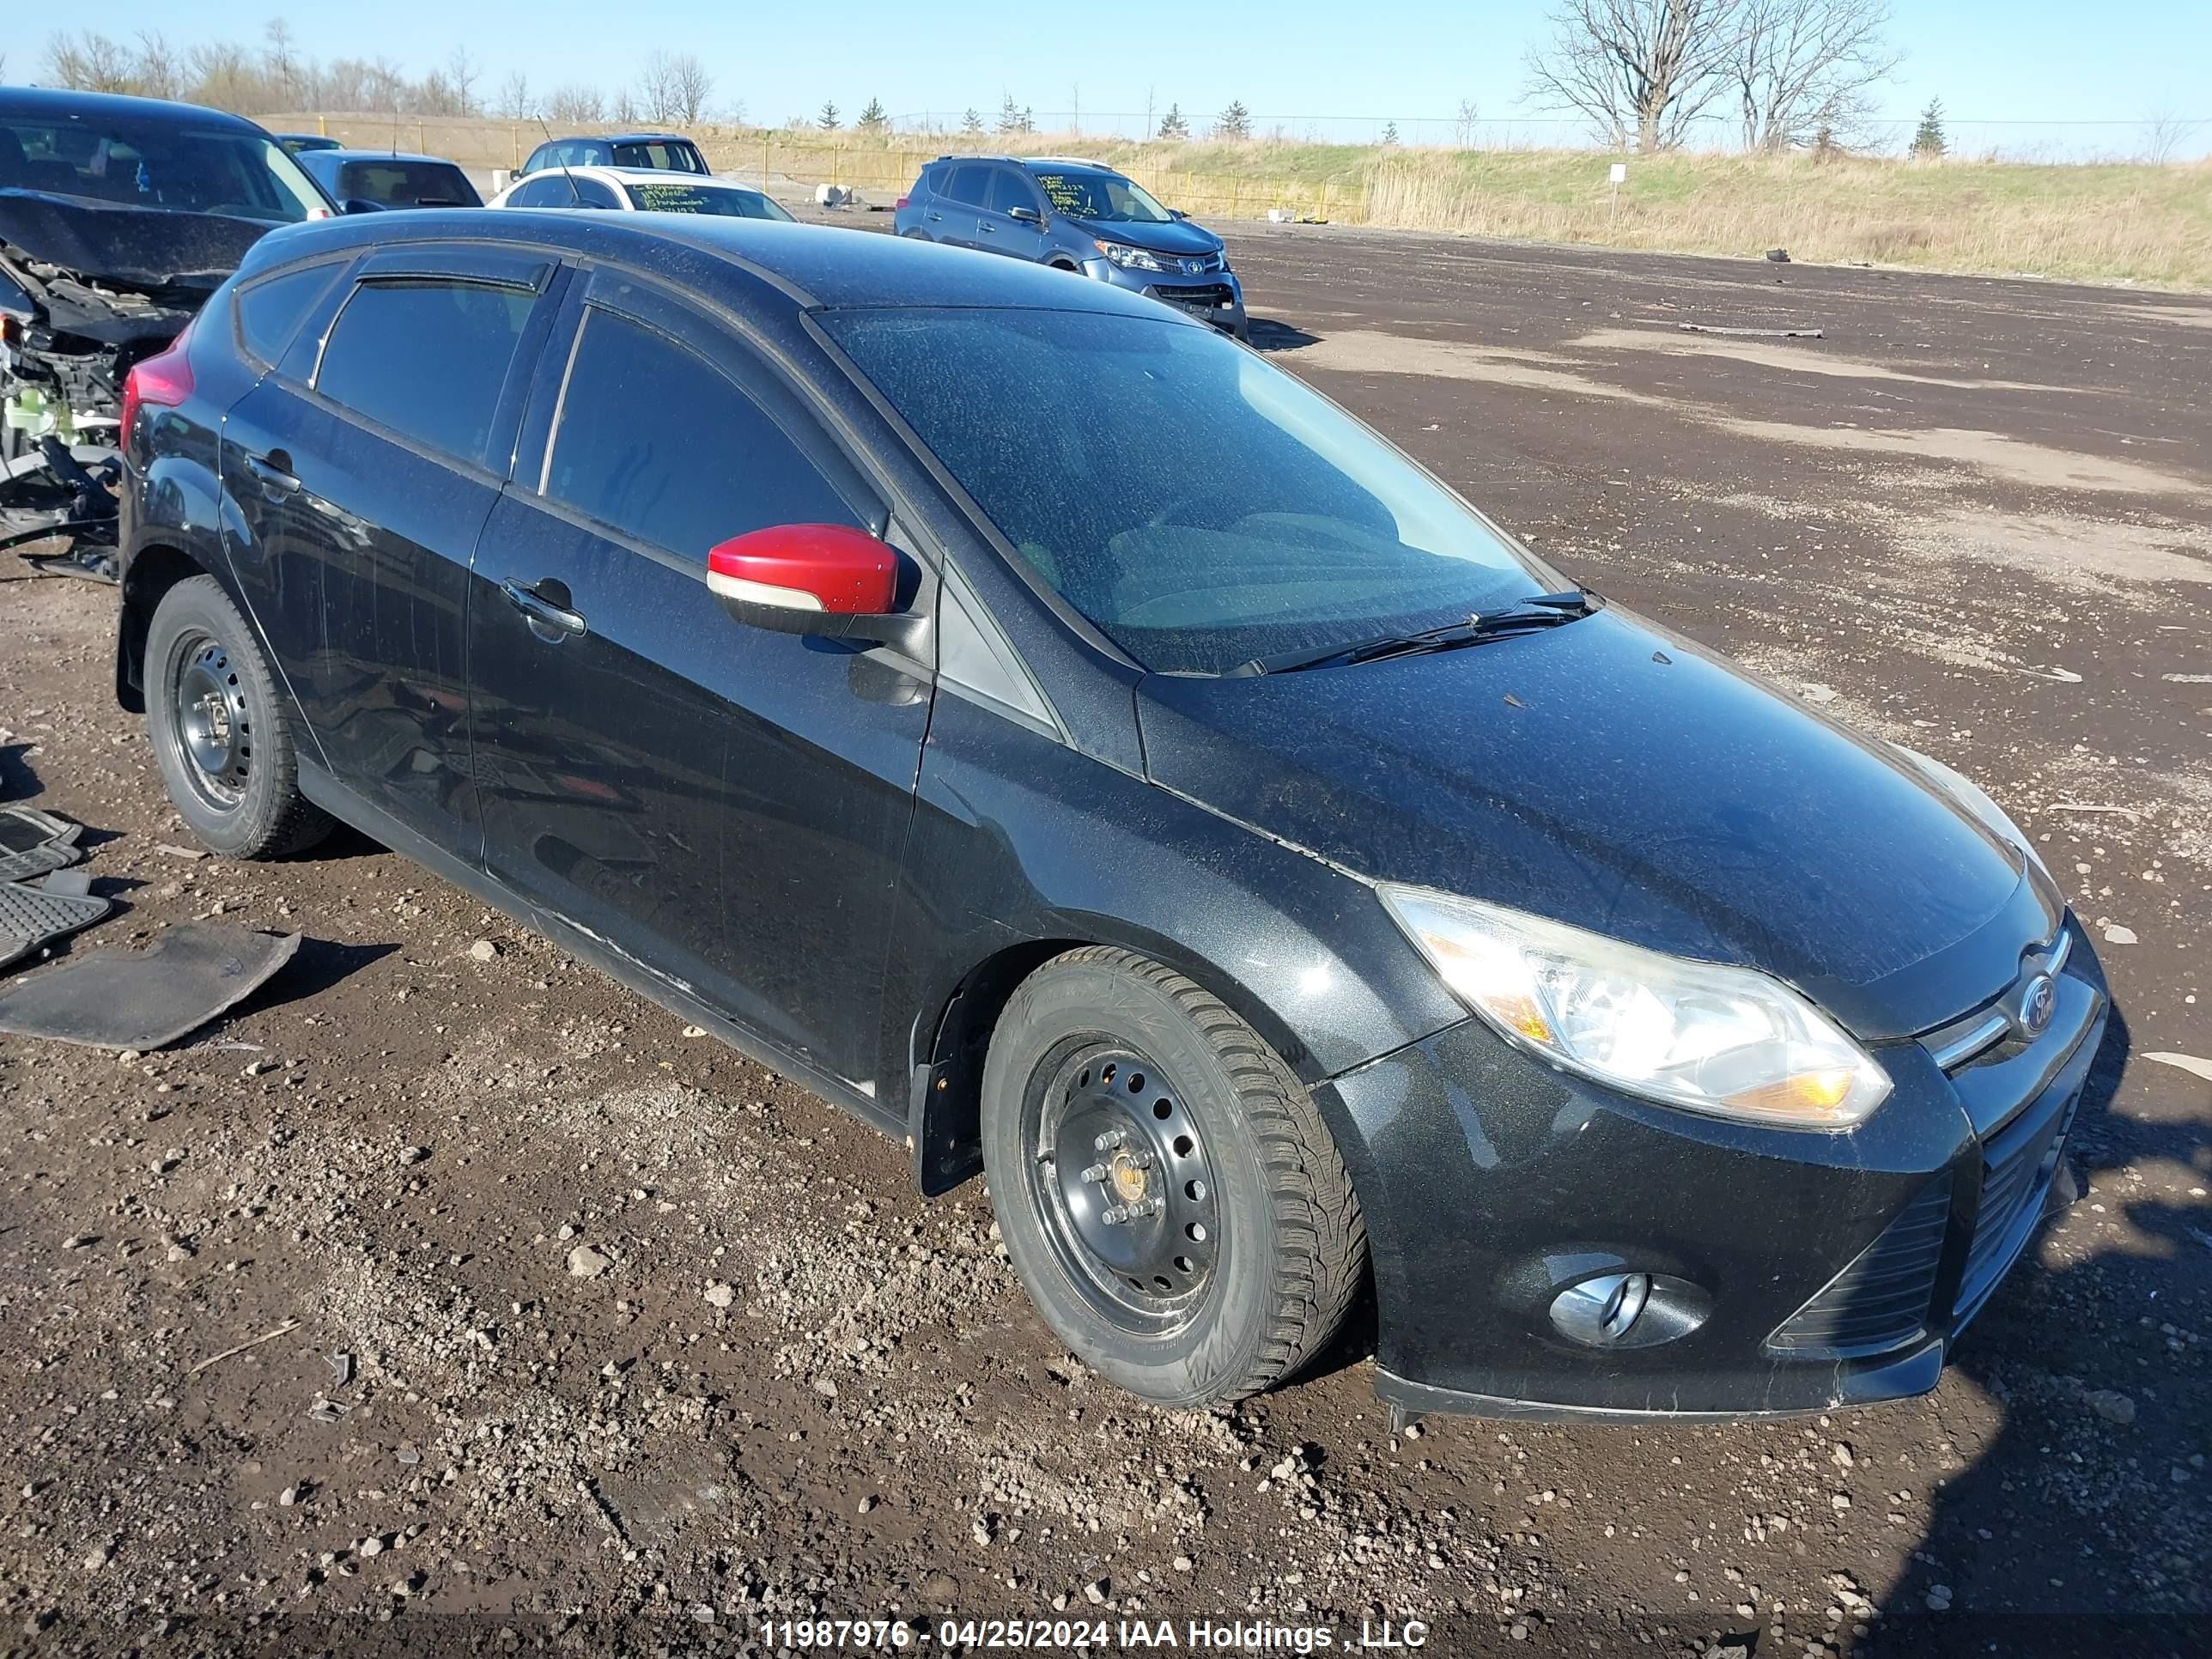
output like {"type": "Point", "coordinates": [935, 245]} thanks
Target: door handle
{"type": "Point", "coordinates": [934, 218]}
{"type": "Point", "coordinates": [549, 621]}
{"type": "Point", "coordinates": [272, 469]}
{"type": "Point", "coordinates": [985, 228]}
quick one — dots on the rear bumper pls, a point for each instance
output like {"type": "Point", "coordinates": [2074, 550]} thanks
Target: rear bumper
{"type": "Point", "coordinates": [1808, 1272]}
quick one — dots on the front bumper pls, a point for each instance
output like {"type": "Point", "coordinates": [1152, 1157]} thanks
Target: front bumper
{"type": "Point", "coordinates": [1215, 296]}
{"type": "Point", "coordinates": [1813, 1271]}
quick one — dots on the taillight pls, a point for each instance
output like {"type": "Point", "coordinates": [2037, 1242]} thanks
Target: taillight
{"type": "Point", "coordinates": [900, 203]}
{"type": "Point", "coordinates": [161, 381]}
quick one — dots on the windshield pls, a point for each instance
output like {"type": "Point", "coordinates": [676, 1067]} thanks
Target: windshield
{"type": "Point", "coordinates": [1200, 507]}
{"type": "Point", "coordinates": [403, 183]}
{"type": "Point", "coordinates": [1105, 196]}
{"type": "Point", "coordinates": [662, 157]}
{"type": "Point", "coordinates": [183, 168]}
{"type": "Point", "coordinates": [652, 196]}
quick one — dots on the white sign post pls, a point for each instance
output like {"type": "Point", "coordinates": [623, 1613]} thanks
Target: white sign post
{"type": "Point", "coordinates": [1619, 177]}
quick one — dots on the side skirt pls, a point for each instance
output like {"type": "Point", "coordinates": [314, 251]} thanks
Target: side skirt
{"type": "Point", "coordinates": [350, 807]}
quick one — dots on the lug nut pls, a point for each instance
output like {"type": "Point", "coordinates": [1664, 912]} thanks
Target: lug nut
{"type": "Point", "coordinates": [1095, 1172]}
{"type": "Point", "coordinates": [1141, 1160]}
{"type": "Point", "coordinates": [1109, 1140]}
{"type": "Point", "coordinates": [1116, 1216]}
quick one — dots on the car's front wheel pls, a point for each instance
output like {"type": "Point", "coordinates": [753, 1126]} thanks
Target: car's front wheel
{"type": "Point", "coordinates": [221, 735]}
{"type": "Point", "coordinates": [1165, 1186]}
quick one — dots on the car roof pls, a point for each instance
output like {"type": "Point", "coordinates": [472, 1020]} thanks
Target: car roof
{"type": "Point", "coordinates": [382, 155]}
{"type": "Point", "coordinates": [619, 138]}
{"type": "Point", "coordinates": [59, 103]}
{"type": "Point", "coordinates": [812, 265]}
{"type": "Point", "coordinates": [659, 176]}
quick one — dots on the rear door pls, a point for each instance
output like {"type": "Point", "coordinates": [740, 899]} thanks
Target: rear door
{"type": "Point", "coordinates": [996, 228]}
{"type": "Point", "coordinates": [274, 547]}
{"type": "Point", "coordinates": [376, 474]}
{"type": "Point", "coordinates": [952, 215]}
{"type": "Point", "coordinates": [724, 805]}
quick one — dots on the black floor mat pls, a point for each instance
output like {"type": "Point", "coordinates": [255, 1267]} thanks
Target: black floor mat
{"type": "Point", "coordinates": [146, 998]}
{"type": "Point", "coordinates": [33, 842]}
{"type": "Point", "coordinates": [30, 915]}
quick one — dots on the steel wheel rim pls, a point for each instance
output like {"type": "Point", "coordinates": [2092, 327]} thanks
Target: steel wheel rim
{"type": "Point", "coordinates": [210, 725]}
{"type": "Point", "coordinates": [1123, 1178]}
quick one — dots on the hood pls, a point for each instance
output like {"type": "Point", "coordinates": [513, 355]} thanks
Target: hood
{"type": "Point", "coordinates": [1611, 775]}
{"type": "Point", "coordinates": [1177, 236]}
{"type": "Point", "coordinates": [137, 247]}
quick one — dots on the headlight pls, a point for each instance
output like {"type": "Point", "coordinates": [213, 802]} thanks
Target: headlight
{"type": "Point", "coordinates": [1129, 259]}
{"type": "Point", "coordinates": [1730, 1042]}
{"type": "Point", "coordinates": [1969, 794]}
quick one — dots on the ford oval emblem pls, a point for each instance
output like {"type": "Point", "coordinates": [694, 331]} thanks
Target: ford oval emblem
{"type": "Point", "coordinates": [2039, 1000]}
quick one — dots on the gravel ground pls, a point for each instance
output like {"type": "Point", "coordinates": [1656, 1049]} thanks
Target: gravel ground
{"type": "Point", "coordinates": [569, 1327]}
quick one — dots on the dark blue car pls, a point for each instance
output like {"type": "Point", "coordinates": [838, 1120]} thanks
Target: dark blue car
{"type": "Point", "coordinates": [1080, 216]}
{"type": "Point", "coordinates": [1066, 740]}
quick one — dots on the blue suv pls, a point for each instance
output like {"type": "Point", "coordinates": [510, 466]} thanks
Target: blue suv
{"type": "Point", "coordinates": [1080, 217]}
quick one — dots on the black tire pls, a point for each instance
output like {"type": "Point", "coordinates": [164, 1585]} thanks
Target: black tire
{"type": "Point", "coordinates": [221, 731]}
{"type": "Point", "coordinates": [1247, 1267]}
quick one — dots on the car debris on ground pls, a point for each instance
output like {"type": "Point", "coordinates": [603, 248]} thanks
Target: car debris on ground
{"type": "Point", "coordinates": [146, 1000]}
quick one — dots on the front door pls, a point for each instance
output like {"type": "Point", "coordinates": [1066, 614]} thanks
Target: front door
{"type": "Point", "coordinates": [723, 805]}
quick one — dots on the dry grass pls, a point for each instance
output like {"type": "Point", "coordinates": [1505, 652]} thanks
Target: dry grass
{"type": "Point", "coordinates": [2137, 223]}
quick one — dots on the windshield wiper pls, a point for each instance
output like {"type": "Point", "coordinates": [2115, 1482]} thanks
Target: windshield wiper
{"type": "Point", "coordinates": [1537, 611]}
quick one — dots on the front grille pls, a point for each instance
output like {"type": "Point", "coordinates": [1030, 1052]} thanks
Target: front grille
{"type": "Point", "coordinates": [1880, 1301]}
{"type": "Point", "coordinates": [2017, 1168]}
{"type": "Point", "coordinates": [1197, 294]}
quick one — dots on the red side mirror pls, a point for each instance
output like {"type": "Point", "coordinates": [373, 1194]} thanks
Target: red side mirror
{"type": "Point", "coordinates": [827, 579]}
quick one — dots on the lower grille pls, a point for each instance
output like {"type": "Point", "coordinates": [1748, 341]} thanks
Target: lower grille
{"type": "Point", "coordinates": [1206, 294]}
{"type": "Point", "coordinates": [2017, 1168]}
{"type": "Point", "coordinates": [1880, 1301]}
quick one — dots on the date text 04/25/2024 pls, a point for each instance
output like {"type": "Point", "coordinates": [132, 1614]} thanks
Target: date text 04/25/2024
{"type": "Point", "coordinates": [1051, 1635]}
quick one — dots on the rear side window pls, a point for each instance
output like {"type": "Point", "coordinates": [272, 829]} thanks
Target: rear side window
{"type": "Point", "coordinates": [270, 312]}
{"type": "Point", "coordinates": [967, 186]}
{"type": "Point", "coordinates": [590, 194]}
{"type": "Point", "coordinates": [933, 178]}
{"type": "Point", "coordinates": [550, 191]}
{"type": "Point", "coordinates": [426, 357]}
{"type": "Point", "coordinates": [1010, 190]}
{"type": "Point", "coordinates": [724, 468]}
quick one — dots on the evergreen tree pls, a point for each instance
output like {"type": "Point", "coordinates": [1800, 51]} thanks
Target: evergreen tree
{"type": "Point", "coordinates": [828, 119]}
{"type": "Point", "coordinates": [971, 125]}
{"type": "Point", "coordinates": [873, 118]}
{"type": "Point", "coordinates": [1010, 115]}
{"type": "Point", "coordinates": [1236, 121]}
{"type": "Point", "coordinates": [1928, 139]}
{"type": "Point", "coordinates": [1172, 124]}
{"type": "Point", "coordinates": [1389, 132]}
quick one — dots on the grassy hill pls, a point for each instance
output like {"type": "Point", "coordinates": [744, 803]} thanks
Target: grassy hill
{"type": "Point", "coordinates": [2119, 221]}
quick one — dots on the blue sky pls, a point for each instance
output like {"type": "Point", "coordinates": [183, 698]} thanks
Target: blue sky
{"type": "Point", "coordinates": [2042, 61]}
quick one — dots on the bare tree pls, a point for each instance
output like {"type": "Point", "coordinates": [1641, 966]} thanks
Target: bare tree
{"type": "Point", "coordinates": [674, 88]}
{"type": "Point", "coordinates": [282, 63]}
{"type": "Point", "coordinates": [1639, 69]}
{"type": "Point", "coordinates": [1464, 125]}
{"type": "Point", "coordinates": [1803, 67]}
{"type": "Point", "coordinates": [573, 104]}
{"type": "Point", "coordinates": [515, 96]}
{"type": "Point", "coordinates": [461, 75]}
{"type": "Point", "coordinates": [2165, 130]}
{"type": "Point", "coordinates": [89, 62]}
{"type": "Point", "coordinates": [157, 69]}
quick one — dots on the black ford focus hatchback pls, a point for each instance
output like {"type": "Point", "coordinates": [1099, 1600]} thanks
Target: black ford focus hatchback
{"type": "Point", "coordinates": [1069, 743]}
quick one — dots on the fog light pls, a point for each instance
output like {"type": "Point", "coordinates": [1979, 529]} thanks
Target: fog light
{"type": "Point", "coordinates": [1601, 1310]}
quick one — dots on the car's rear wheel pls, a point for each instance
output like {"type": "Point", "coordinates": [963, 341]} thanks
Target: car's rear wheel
{"type": "Point", "coordinates": [1165, 1189]}
{"type": "Point", "coordinates": [221, 735]}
